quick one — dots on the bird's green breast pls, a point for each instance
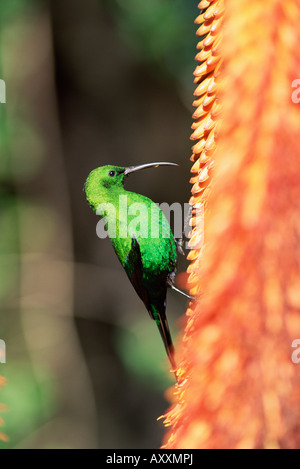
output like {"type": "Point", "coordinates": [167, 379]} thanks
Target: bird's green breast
{"type": "Point", "coordinates": [139, 217]}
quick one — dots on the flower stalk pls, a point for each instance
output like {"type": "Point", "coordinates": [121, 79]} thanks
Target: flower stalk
{"type": "Point", "coordinates": [238, 386]}
{"type": "Point", "coordinates": [3, 437]}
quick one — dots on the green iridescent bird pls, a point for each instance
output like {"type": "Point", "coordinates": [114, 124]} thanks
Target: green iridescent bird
{"type": "Point", "coordinates": [143, 243]}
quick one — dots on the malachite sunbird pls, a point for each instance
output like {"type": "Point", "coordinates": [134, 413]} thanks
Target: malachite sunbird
{"type": "Point", "coordinates": [144, 244]}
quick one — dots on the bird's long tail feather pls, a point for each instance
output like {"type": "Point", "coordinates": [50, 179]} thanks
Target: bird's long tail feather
{"type": "Point", "coordinates": [164, 330]}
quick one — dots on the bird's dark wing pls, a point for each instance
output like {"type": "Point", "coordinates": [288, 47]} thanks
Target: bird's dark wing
{"type": "Point", "coordinates": [155, 301]}
{"type": "Point", "coordinates": [134, 269]}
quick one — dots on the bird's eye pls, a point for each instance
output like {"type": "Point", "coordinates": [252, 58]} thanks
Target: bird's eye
{"type": "Point", "coordinates": [112, 173]}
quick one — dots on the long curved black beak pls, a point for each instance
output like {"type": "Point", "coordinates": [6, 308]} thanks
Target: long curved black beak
{"type": "Point", "coordinates": [131, 169]}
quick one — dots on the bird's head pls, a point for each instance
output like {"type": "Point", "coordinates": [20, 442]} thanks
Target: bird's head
{"type": "Point", "coordinates": [102, 181]}
{"type": "Point", "coordinates": [106, 179]}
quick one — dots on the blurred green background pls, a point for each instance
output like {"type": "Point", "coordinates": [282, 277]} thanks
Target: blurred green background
{"type": "Point", "coordinates": [89, 82]}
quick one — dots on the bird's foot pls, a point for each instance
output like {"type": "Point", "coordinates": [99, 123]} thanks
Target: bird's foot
{"type": "Point", "coordinates": [171, 284]}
